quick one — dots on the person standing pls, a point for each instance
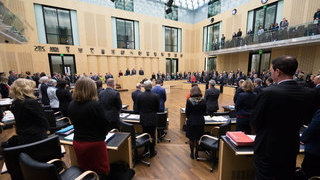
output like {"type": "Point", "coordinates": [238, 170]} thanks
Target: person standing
{"type": "Point", "coordinates": [4, 87]}
{"type": "Point", "coordinates": [316, 82]}
{"type": "Point", "coordinates": [257, 85]}
{"type": "Point", "coordinates": [12, 77]}
{"type": "Point", "coordinates": [43, 88]}
{"type": "Point", "coordinates": [141, 72]}
{"type": "Point", "coordinates": [90, 127]}
{"type": "Point", "coordinates": [162, 94]}
{"type": "Point", "coordinates": [279, 113]}
{"type": "Point", "coordinates": [195, 111]}
{"type": "Point", "coordinates": [135, 94]}
{"type": "Point", "coordinates": [211, 96]}
{"type": "Point", "coordinates": [111, 102]}
{"type": "Point", "coordinates": [148, 105]}
{"type": "Point", "coordinates": [51, 91]}
{"type": "Point", "coordinates": [64, 96]}
{"type": "Point", "coordinates": [244, 107]}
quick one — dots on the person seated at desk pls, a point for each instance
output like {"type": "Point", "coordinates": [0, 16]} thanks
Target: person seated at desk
{"type": "Point", "coordinates": [90, 127]}
{"type": "Point", "coordinates": [120, 73]}
{"type": "Point", "coordinates": [193, 79]}
{"type": "Point", "coordinates": [64, 97]}
{"type": "Point", "coordinates": [211, 96]}
{"type": "Point", "coordinates": [162, 94]}
{"type": "Point", "coordinates": [311, 140]}
{"type": "Point", "coordinates": [133, 72]}
{"type": "Point", "coordinates": [195, 111]}
{"type": "Point", "coordinates": [244, 107]}
{"type": "Point", "coordinates": [127, 72]}
{"type": "Point", "coordinates": [141, 72]}
{"type": "Point", "coordinates": [31, 124]}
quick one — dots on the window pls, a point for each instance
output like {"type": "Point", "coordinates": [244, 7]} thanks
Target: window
{"type": "Point", "coordinates": [214, 7]}
{"type": "Point", "coordinates": [125, 34]}
{"type": "Point", "coordinates": [171, 65]}
{"type": "Point", "coordinates": [171, 39]}
{"type": "Point", "coordinates": [259, 62]}
{"type": "Point", "coordinates": [211, 38]}
{"type": "Point", "coordinates": [57, 25]}
{"type": "Point", "coordinates": [173, 15]}
{"type": "Point", "coordinates": [124, 5]}
{"type": "Point", "coordinates": [62, 64]}
{"type": "Point", "coordinates": [210, 63]}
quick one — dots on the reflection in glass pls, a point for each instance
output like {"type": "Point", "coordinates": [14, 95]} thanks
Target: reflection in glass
{"type": "Point", "coordinates": [125, 34]}
{"type": "Point", "coordinates": [171, 39]}
{"type": "Point", "coordinates": [211, 63]}
{"type": "Point", "coordinates": [265, 62]}
{"type": "Point", "coordinates": [270, 16]}
{"type": "Point", "coordinates": [69, 64]}
{"type": "Point", "coordinates": [124, 5]}
{"type": "Point", "coordinates": [213, 36]}
{"type": "Point", "coordinates": [62, 64]}
{"type": "Point", "coordinates": [255, 62]}
{"type": "Point", "coordinates": [171, 66]}
{"type": "Point", "coordinates": [214, 7]}
{"type": "Point", "coordinates": [56, 64]}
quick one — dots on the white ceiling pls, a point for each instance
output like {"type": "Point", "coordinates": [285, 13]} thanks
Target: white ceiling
{"type": "Point", "coordinates": [187, 4]}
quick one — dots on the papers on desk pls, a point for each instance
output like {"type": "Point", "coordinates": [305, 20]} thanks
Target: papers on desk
{"type": "Point", "coordinates": [66, 131]}
{"type": "Point", "coordinates": [215, 118]}
{"type": "Point", "coordinates": [6, 101]}
{"type": "Point", "coordinates": [134, 116]}
{"type": "Point", "coordinates": [124, 115]}
{"type": "Point", "coordinates": [69, 137]}
{"type": "Point", "coordinates": [108, 137]}
{"type": "Point", "coordinates": [183, 110]}
{"type": "Point", "coordinates": [8, 116]}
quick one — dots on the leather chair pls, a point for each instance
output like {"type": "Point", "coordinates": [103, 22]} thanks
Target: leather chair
{"type": "Point", "coordinates": [32, 169]}
{"type": "Point", "coordinates": [138, 141]}
{"type": "Point", "coordinates": [211, 143]}
{"type": "Point", "coordinates": [162, 125]}
{"type": "Point", "coordinates": [42, 151]}
{"type": "Point", "coordinates": [56, 123]}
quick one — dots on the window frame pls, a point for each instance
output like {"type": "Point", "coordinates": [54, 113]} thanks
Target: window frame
{"type": "Point", "coordinates": [134, 33]}
{"type": "Point", "coordinates": [264, 17]}
{"type": "Point", "coordinates": [124, 6]}
{"type": "Point", "coordinates": [45, 26]}
{"type": "Point", "coordinates": [207, 39]}
{"type": "Point", "coordinates": [165, 43]}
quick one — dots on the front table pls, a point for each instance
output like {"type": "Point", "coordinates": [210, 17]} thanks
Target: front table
{"type": "Point", "coordinates": [119, 149]}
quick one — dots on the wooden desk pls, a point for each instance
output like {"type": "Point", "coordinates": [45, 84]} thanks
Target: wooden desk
{"type": "Point", "coordinates": [119, 149]}
{"type": "Point", "coordinates": [236, 162]}
{"type": "Point", "coordinates": [228, 108]}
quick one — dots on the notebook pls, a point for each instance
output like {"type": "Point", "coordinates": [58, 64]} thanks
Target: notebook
{"type": "Point", "coordinates": [109, 136]}
{"type": "Point", "coordinates": [8, 116]}
{"type": "Point", "coordinates": [66, 129]}
{"type": "Point", "coordinates": [219, 118]}
{"type": "Point", "coordinates": [239, 138]}
{"type": "Point", "coordinates": [134, 116]}
{"type": "Point", "coordinates": [123, 115]}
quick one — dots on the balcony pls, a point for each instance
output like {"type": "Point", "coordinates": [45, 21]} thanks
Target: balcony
{"type": "Point", "coordinates": [289, 36]}
{"type": "Point", "coordinates": [11, 28]}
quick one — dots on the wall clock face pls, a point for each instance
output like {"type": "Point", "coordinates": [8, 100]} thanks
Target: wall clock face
{"type": "Point", "coordinates": [234, 11]}
{"type": "Point", "coordinates": [264, 1]}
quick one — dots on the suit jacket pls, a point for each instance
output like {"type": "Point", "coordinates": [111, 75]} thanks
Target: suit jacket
{"type": "Point", "coordinates": [4, 90]}
{"type": "Point", "coordinates": [311, 136]}
{"type": "Point", "coordinates": [317, 88]}
{"type": "Point", "coordinates": [127, 73]}
{"type": "Point", "coordinates": [162, 94]}
{"type": "Point", "coordinates": [195, 111]}
{"type": "Point", "coordinates": [111, 102]}
{"type": "Point", "coordinates": [279, 113]}
{"type": "Point", "coordinates": [44, 96]}
{"type": "Point", "coordinates": [135, 94]}
{"type": "Point", "coordinates": [11, 79]}
{"type": "Point", "coordinates": [64, 97]}
{"type": "Point", "coordinates": [236, 94]}
{"type": "Point", "coordinates": [133, 72]}
{"type": "Point", "coordinates": [211, 96]}
{"type": "Point", "coordinates": [257, 89]}
{"type": "Point", "coordinates": [245, 103]}
{"type": "Point", "coordinates": [141, 72]}
{"type": "Point", "coordinates": [148, 105]}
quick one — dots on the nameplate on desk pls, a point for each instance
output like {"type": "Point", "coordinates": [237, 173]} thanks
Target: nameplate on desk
{"type": "Point", "coordinates": [133, 116]}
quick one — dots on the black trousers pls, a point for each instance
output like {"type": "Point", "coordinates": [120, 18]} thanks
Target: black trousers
{"type": "Point", "coordinates": [311, 165]}
{"type": "Point", "coordinates": [151, 130]}
{"type": "Point", "coordinates": [243, 124]}
{"type": "Point", "coordinates": [280, 167]}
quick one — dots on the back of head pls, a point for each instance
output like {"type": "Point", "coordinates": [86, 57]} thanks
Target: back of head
{"type": "Point", "coordinates": [195, 92]}
{"type": "Point", "coordinates": [99, 84]}
{"type": "Point", "coordinates": [110, 82]}
{"type": "Point", "coordinates": [258, 81]}
{"type": "Point", "coordinates": [241, 82]}
{"type": "Point", "coordinates": [85, 90]}
{"type": "Point", "coordinates": [147, 85]}
{"type": "Point", "coordinates": [52, 82]}
{"type": "Point", "coordinates": [159, 81]}
{"type": "Point", "coordinates": [212, 83]}
{"type": "Point", "coordinates": [286, 64]}
{"type": "Point", "coordinates": [22, 88]}
{"type": "Point", "coordinates": [247, 86]}
{"type": "Point", "coordinates": [62, 84]}
{"type": "Point", "coordinates": [138, 86]}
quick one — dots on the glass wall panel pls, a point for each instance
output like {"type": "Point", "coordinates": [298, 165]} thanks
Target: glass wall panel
{"type": "Point", "coordinates": [214, 7]}
{"type": "Point", "coordinates": [171, 39]}
{"type": "Point", "coordinates": [211, 63]}
{"type": "Point", "coordinates": [270, 16]}
{"type": "Point", "coordinates": [125, 34]}
{"type": "Point", "coordinates": [259, 62]}
{"type": "Point", "coordinates": [69, 64]}
{"type": "Point", "coordinates": [255, 62]}
{"type": "Point", "coordinates": [265, 62]}
{"type": "Point", "coordinates": [213, 40]}
{"type": "Point", "coordinates": [124, 5]}
{"type": "Point", "coordinates": [51, 20]}
{"type": "Point", "coordinates": [56, 64]}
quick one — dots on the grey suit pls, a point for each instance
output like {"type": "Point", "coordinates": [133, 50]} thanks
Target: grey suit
{"type": "Point", "coordinates": [211, 96]}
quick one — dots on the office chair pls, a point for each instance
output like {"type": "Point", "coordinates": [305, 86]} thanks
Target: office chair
{"type": "Point", "coordinates": [162, 125]}
{"type": "Point", "coordinates": [211, 143]}
{"type": "Point", "coordinates": [42, 151]}
{"type": "Point", "coordinates": [139, 141]}
{"type": "Point", "coordinates": [56, 123]}
{"type": "Point", "coordinates": [32, 169]}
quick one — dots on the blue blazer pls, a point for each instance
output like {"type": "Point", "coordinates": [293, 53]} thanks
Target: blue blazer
{"type": "Point", "coordinates": [162, 94]}
{"type": "Point", "coordinates": [311, 136]}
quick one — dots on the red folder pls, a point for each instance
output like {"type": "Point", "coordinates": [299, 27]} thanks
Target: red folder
{"type": "Point", "coordinates": [239, 138]}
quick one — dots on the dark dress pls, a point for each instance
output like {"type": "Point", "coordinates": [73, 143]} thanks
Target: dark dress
{"type": "Point", "coordinates": [195, 111]}
{"type": "Point", "coordinates": [65, 97]}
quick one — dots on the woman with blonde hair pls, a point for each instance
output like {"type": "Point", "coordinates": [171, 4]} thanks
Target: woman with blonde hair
{"type": "Point", "coordinates": [90, 127]}
{"type": "Point", "coordinates": [31, 124]}
{"type": "Point", "coordinates": [244, 107]}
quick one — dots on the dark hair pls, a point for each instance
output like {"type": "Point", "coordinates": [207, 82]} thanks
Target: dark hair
{"type": "Point", "coordinates": [159, 81]}
{"type": "Point", "coordinates": [270, 80]}
{"type": "Point", "coordinates": [287, 64]}
{"type": "Point", "coordinates": [62, 84]}
{"type": "Point", "coordinates": [195, 92]}
{"type": "Point", "coordinates": [99, 84]}
{"type": "Point", "coordinates": [42, 74]}
{"type": "Point", "coordinates": [28, 73]}
{"type": "Point", "coordinates": [194, 84]}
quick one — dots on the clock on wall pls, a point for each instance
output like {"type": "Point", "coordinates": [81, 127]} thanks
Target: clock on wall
{"type": "Point", "coordinates": [264, 1]}
{"type": "Point", "coordinates": [234, 11]}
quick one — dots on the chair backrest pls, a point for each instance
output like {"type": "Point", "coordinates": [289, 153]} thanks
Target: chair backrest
{"type": "Point", "coordinates": [42, 151]}
{"type": "Point", "coordinates": [127, 127]}
{"type": "Point", "coordinates": [221, 113]}
{"type": "Point", "coordinates": [32, 169]}
{"type": "Point", "coordinates": [224, 128]}
{"type": "Point", "coordinates": [127, 111]}
{"type": "Point", "coordinates": [161, 119]}
{"type": "Point", "coordinates": [49, 114]}
{"type": "Point", "coordinates": [46, 107]}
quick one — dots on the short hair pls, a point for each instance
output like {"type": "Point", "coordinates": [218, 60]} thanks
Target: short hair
{"type": "Point", "coordinates": [159, 81]}
{"type": "Point", "coordinates": [99, 84]}
{"type": "Point", "coordinates": [85, 90]}
{"type": "Point", "coordinates": [10, 71]}
{"type": "Point", "coordinates": [212, 82]}
{"type": "Point", "coordinates": [138, 86]}
{"type": "Point", "coordinates": [51, 82]}
{"type": "Point", "coordinates": [241, 81]}
{"type": "Point", "coordinates": [43, 78]}
{"type": "Point", "coordinates": [194, 84]}
{"type": "Point", "coordinates": [28, 73]}
{"type": "Point", "coordinates": [270, 80]}
{"type": "Point", "coordinates": [22, 88]}
{"type": "Point", "coordinates": [147, 85]}
{"type": "Point", "coordinates": [62, 84]}
{"type": "Point", "coordinates": [4, 79]}
{"type": "Point", "coordinates": [258, 81]}
{"type": "Point", "coordinates": [195, 92]}
{"type": "Point", "coordinates": [286, 64]}
{"type": "Point", "coordinates": [247, 86]}
{"type": "Point", "coordinates": [110, 82]}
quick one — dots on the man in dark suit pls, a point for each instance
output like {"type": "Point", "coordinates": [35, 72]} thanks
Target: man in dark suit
{"type": "Point", "coordinates": [141, 72]}
{"type": "Point", "coordinates": [279, 113]}
{"type": "Point", "coordinates": [12, 77]}
{"type": "Point", "coordinates": [111, 102]}
{"type": "Point", "coordinates": [316, 82]}
{"type": "Point", "coordinates": [133, 72]}
{"type": "Point", "coordinates": [135, 94]}
{"type": "Point", "coordinates": [127, 72]}
{"type": "Point", "coordinates": [162, 94]}
{"type": "Point", "coordinates": [43, 88]}
{"type": "Point", "coordinates": [257, 85]}
{"type": "Point", "coordinates": [211, 96]}
{"type": "Point", "coordinates": [148, 105]}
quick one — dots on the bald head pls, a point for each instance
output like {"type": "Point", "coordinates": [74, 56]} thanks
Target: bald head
{"type": "Point", "coordinates": [147, 85]}
{"type": "Point", "coordinates": [138, 86]}
{"type": "Point", "coordinates": [110, 82]}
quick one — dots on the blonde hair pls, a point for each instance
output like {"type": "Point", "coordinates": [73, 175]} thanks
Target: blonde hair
{"type": "Point", "coordinates": [247, 86]}
{"type": "Point", "coordinates": [85, 90]}
{"type": "Point", "coordinates": [22, 88]}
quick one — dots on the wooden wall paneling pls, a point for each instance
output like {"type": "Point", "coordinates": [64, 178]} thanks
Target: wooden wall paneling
{"type": "Point", "coordinates": [113, 66]}
{"type": "Point", "coordinates": [147, 36]}
{"type": "Point", "coordinates": [25, 62]}
{"type": "Point", "coordinates": [90, 30]}
{"type": "Point", "coordinates": [122, 63]}
{"type": "Point", "coordinates": [139, 63]}
{"type": "Point", "coordinates": [101, 30]}
{"type": "Point", "coordinates": [131, 63]}
{"type": "Point", "coordinates": [12, 61]}
{"type": "Point", "coordinates": [162, 65]}
{"type": "Point", "coordinates": [3, 63]}
{"type": "Point", "coordinates": [103, 67]}
{"type": "Point", "coordinates": [92, 64]}
{"type": "Point", "coordinates": [155, 37]}
{"type": "Point", "coordinates": [155, 65]}
{"type": "Point", "coordinates": [147, 66]}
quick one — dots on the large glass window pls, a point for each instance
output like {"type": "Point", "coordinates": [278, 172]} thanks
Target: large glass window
{"type": "Point", "coordinates": [212, 37]}
{"type": "Point", "coordinates": [214, 7]}
{"type": "Point", "coordinates": [172, 15]}
{"type": "Point", "coordinates": [264, 17]}
{"type": "Point", "coordinates": [211, 63]}
{"type": "Point", "coordinates": [171, 39]}
{"type": "Point", "coordinates": [260, 62]}
{"type": "Point", "coordinates": [171, 65]}
{"type": "Point", "coordinates": [125, 34]}
{"type": "Point", "coordinates": [124, 5]}
{"type": "Point", "coordinates": [62, 64]}
{"type": "Point", "coordinates": [57, 25]}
